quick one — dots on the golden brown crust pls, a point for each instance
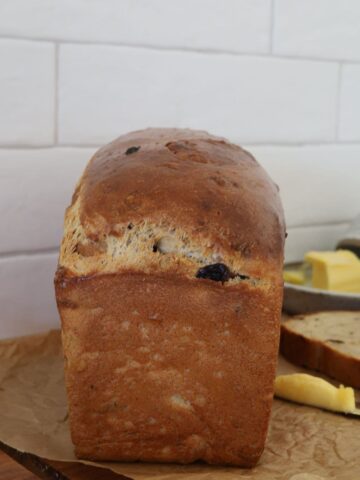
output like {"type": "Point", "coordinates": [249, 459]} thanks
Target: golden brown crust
{"type": "Point", "coordinates": [160, 365]}
{"type": "Point", "coordinates": [160, 369]}
{"type": "Point", "coordinates": [214, 192]}
{"type": "Point", "coordinates": [317, 355]}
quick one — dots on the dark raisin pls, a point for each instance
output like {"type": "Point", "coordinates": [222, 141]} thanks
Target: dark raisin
{"type": "Point", "coordinates": [155, 248]}
{"type": "Point", "coordinates": [217, 272]}
{"type": "Point", "coordinates": [131, 150]}
{"type": "Point", "coordinates": [130, 226]}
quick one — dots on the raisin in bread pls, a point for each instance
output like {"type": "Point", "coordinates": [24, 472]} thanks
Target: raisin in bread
{"type": "Point", "coordinates": [169, 288]}
{"type": "Point", "coordinates": [326, 341]}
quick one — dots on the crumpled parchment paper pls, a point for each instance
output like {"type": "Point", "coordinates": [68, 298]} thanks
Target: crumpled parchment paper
{"type": "Point", "coordinates": [303, 443]}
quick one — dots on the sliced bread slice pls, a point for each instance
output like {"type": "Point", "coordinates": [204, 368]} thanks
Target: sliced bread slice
{"type": "Point", "coordinates": [326, 341]}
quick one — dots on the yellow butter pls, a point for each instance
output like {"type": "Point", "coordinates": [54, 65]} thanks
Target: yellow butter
{"type": "Point", "coordinates": [314, 391]}
{"type": "Point", "coordinates": [338, 271]}
{"type": "Point", "coordinates": [296, 277]}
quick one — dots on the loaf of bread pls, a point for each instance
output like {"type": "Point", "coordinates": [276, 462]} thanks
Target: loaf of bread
{"type": "Point", "coordinates": [169, 288]}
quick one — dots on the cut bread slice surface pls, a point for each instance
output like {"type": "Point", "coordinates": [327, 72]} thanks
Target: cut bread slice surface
{"type": "Point", "coordinates": [325, 341]}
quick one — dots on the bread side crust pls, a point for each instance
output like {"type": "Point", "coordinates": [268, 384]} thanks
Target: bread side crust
{"type": "Point", "coordinates": [169, 369]}
{"type": "Point", "coordinates": [317, 355]}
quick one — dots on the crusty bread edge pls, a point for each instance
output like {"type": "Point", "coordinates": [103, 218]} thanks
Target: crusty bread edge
{"type": "Point", "coordinates": [319, 356]}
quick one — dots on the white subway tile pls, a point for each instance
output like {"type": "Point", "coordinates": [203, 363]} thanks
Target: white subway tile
{"type": "Point", "coordinates": [35, 188]}
{"type": "Point", "coordinates": [349, 117]}
{"type": "Point", "coordinates": [27, 296]}
{"type": "Point", "coordinates": [105, 91]}
{"type": "Point", "coordinates": [316, 237]}
{"type": "Point", "coordinates": [27, 92]}
{"type": "Point", "coordinates": [318, 184]}
{"type": "Point", "coordinates": [233, 25]}
{"type": "Point", "coordinates": [326, 29]}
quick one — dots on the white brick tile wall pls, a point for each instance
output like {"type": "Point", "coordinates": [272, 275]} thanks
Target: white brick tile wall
{"type": "Point", "coordinates": [106, 90]}
{"type": "Point", "coordinates": [231, 25]}
{"type": "Point", "coordinates": [282, 76]}
{"type": "Point", "coordinates": [317, 28]}
{"type": "Point", "coordinates": [27, 92]}
{"type": "Point", "coordinates": [35, 188]}
{"type": "Point", "coordinates": [27, 295]}
{"type": "Point", "coordinates": [318, 184]}
{"type": "Point", "coordinates": [349, 121]}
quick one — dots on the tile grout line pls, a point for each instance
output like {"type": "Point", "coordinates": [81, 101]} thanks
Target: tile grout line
{"type": "Point", "coordinates": [50, 146]}
{"type": "Point", "coordinates": [323, 224]}
{"type": "Point", "coordinates": [338, 102]}
{"type": "Point", "coordinates": [28, 253]}
{"type": "Point", "coordinates": [184, 49]}
{"type": "Point", "coordinates": [272, 20]}
{"type": "Point", "coordinates": [56, 95]}
{"type": "Point", "coordinates": [284, 144]}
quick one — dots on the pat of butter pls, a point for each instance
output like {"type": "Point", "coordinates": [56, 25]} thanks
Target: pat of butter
{"type": "Point", "coordinates": [314, 391]}
{"type": "Point", "coordinates": [339, 271]}
{"type": "Point", "coordinates": [296, 277]}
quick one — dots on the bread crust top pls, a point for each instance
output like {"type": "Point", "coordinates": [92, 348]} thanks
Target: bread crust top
{"type": "Point", "coordinates": [195, 197]}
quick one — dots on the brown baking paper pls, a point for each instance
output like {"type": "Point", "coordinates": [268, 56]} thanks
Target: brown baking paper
{"type": "Point", "coordinates": [303, 443]}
